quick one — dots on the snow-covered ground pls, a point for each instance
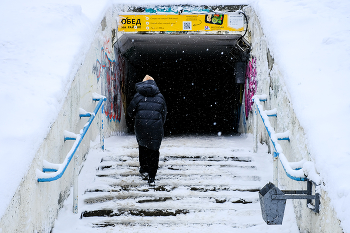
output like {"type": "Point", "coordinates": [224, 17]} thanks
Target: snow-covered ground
{"type": "Point", "coordinates": [42, 43]}
{"type": "Point", "coordinates": [205, 215]}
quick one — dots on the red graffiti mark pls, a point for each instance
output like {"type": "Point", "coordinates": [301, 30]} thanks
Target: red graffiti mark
{"type": "Point", "coordinates": [106, 46]}
{"type": "Point", "coordinates": [111, 75]}
{"type": "Point", "coordinates": [250, 85]}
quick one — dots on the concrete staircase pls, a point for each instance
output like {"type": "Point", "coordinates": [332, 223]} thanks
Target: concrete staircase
{"type": "Point", "coordinates": [204, 184]}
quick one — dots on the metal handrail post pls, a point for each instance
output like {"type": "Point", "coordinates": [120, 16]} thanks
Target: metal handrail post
{"type": "Point", "coordinates": [275, 166]}
{"type": "Point", "coordinates": [102, 129]}
{"type": "Point", "coordinates": [75, 184]}
{"type": "Point", "coordinates": [255, 130]}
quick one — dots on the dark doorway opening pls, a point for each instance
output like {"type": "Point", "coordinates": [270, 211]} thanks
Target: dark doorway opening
{"type": "Point", "coordinates": [196, 75]}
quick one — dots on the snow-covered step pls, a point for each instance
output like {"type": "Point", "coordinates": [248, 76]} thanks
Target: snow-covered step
{"type": "Point", "coordinates": [232, 184]}
{"type": "Point", "coordinates": [135, 163]}
{"type": "Point", "coordinates": [168, 188]}
{"type": "Point", "coordinates": [204, 184]}
{"type": "Point", "coordinates": [179, 219]}
{"type": "Point", "coordinates": [199, 165]}
{"type": "Point", "coordinates": [179, 167]}
{"type": "Point", "coordinates": [185, 158]}
{"type": "Point", "coordinates": [141, 197]}
{"type": "Point", "coordinates": [189, 176]}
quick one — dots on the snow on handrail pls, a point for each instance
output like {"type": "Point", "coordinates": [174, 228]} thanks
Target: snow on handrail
{"type": "Point", "coordinates": [70, 135]}
{"type": "Point", "coordinates": [57, 170]}
{"type": "Point", "coordinates": [299, 171]}
{"type": "Point", "coordinates": [283, 136]}
{"type": "Point", "coordinates": [97, 97]}
{"type": "Point", "coordinates": [83, 113]}
{"type": "Point", "coordinates": [271, 113]}
{"type": "Point", "coordinates": [262, 97]}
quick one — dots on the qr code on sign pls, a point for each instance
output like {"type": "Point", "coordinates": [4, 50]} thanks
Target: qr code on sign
{"type": "Point", "coordinates": [187, 25]}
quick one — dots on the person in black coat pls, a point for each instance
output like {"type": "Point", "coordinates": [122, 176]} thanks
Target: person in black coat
{"type": "Point", "coordinates": [149, 109]}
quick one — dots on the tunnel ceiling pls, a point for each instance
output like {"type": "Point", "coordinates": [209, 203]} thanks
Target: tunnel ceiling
{"type": "Point", "coordinates": [138, 47]}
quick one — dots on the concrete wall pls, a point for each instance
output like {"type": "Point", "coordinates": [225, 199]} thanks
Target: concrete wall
{"type": "Point", "coordinates": [34, 206]}
{"type": "Point", "coordinates": [269, 80]}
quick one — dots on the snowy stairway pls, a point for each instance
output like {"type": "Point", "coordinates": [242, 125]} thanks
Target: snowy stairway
{"type": "Point", "coordinates": [203, 184]}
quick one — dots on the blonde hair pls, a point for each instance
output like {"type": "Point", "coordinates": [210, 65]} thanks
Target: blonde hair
{"type": "Point", "coordinates": [147, 77]}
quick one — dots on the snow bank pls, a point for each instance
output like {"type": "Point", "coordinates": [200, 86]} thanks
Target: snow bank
{"type": "Point", "coordinates": [42, 45]}
{"type": "Point", "coordinates": [310, 44]}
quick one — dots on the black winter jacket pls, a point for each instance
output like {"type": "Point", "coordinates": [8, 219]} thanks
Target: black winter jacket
{"type": "Point", "coordinates": [149, 109]}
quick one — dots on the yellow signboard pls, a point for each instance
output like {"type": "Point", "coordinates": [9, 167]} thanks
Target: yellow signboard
{"type": "Point", "coordinates": [193, 22]}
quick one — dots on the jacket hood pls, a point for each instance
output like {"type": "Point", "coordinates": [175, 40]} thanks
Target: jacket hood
{"type": "Point", "coordinates": [147, 88]}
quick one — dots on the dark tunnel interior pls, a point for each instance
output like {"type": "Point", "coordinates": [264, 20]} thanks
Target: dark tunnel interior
{"type": "Point", "coordinates": [195, 73]}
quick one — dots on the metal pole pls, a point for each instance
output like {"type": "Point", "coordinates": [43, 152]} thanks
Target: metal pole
{"type": "Point", "coordinates": [275, 167]}
{"type": "Point", "coordinates": [255, 130]}
{"type": "Point", "coordinates": [102, 130]}
{"type": "Point", "coordinates": [100, 124]}
{"type": "Point", "coordinates": [75, 184]}
{"type": "Point", "coordinates": [309, 191]}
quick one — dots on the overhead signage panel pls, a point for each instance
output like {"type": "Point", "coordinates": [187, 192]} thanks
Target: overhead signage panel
{"type": "Point", "coordinates": [190, 22]}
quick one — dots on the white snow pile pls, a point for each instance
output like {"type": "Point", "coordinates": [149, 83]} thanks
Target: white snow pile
{"type": "Point", "coordinates": [42, 44]}
{"type": "Point", "coordinates": [310, 41]}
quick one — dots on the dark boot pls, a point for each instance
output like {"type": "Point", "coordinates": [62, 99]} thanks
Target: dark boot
{"type": "Point", "coordinates": [151, 181]}
{"type": "Point", "coordinates": [144, 173]}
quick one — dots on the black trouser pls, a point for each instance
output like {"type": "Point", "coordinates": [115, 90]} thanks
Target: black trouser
{"type": "Point", "coordinates": [149, 160]}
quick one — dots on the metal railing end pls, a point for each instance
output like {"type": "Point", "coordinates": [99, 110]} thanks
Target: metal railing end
{"type": "Point", "coordinates": [271, 113]}
{"type": "Point", "coordinates": [262, 98]}
{"type": "Point", "coordinates": [85, 115]}
{"type": "Point", "coordinates": [68, 136]}
{"type": "Point", "coordinates": [98, 97]}
{"type": "Point", "coordinates": [283, 139]}
{"type": "Point", "coordinates": [69, 139]}
{"type": "Point", "coordinates": [283, 136]}
{"type": "Point", "coordinates": [49, 170]}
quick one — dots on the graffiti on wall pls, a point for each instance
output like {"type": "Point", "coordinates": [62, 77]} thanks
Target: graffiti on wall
{"type": "Point", "coordinates": [111, 75]}
{"type": "Point", "coordinates": [250, 85]}
{"type": "Point", "coordinates": [106, 46]}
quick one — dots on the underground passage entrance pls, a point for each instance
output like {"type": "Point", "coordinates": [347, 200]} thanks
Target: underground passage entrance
{"type": "Point", "coordinates": [200, 76]}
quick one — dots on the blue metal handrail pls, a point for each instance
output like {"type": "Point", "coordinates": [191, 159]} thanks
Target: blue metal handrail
{"type": "Point", "coordinates": [57, 170]}
{"type": "Point", "coordinates": [297, 173]}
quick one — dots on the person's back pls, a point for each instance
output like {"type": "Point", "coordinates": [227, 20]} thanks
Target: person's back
{"type": "Point", "coordinates": [149, 109]}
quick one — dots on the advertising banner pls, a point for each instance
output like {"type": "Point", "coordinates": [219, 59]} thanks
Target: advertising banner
{"type": "Point", "coordinates": [185, 22]}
